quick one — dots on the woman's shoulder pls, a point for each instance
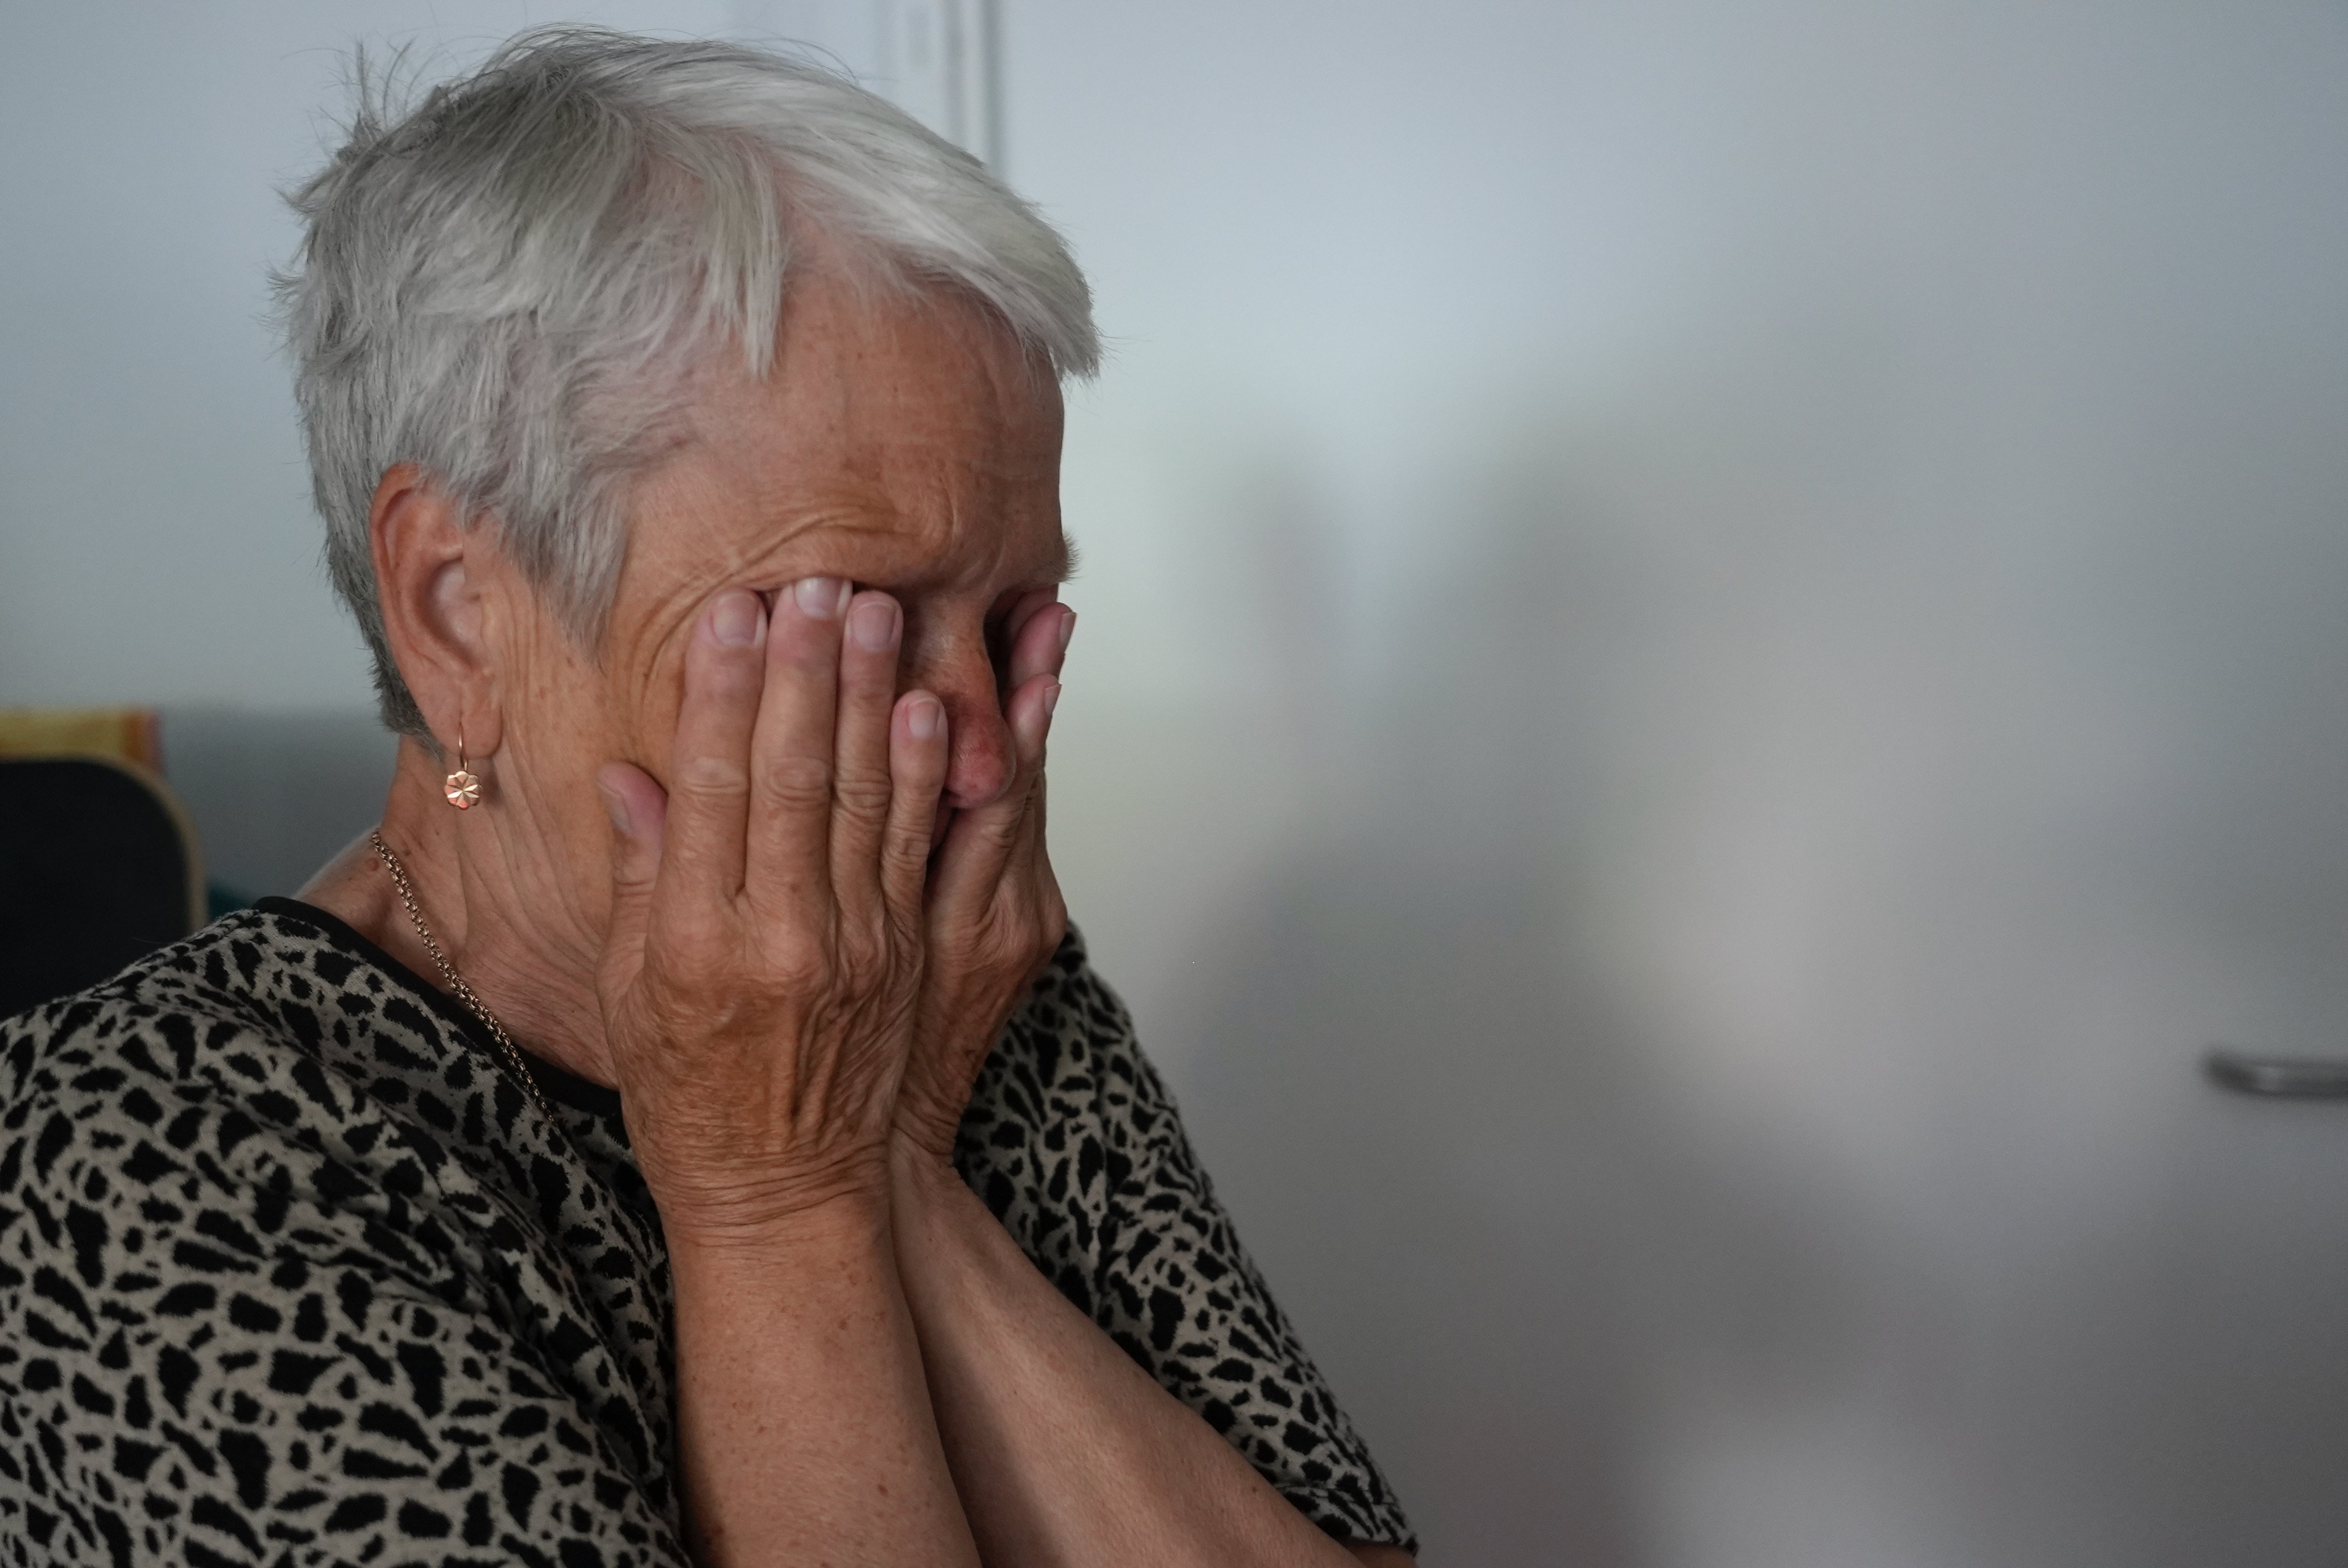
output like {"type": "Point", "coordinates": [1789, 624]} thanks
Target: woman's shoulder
{"type": "Point", "coordinates": [256, 972]}
{"type": "Point", "coordinates": [263, 1052]}
{"type": "Point", "coordinates": [158, 1019]}
{"type": "Point", "coordinates": [274, 993]}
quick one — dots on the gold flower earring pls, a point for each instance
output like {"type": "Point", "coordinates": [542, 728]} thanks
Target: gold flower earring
{"type": "Point", "coordinates": [462, 789]}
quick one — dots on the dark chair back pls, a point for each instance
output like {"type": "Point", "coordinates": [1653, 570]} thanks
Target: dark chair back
{"type": "Point", "coordinates": [97, 868]}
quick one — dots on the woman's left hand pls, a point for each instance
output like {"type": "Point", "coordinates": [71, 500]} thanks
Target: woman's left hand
{"type": "Point", "coordinates": [994, 914]}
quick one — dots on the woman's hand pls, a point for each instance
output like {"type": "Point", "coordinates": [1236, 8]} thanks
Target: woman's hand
{"type": "Point", "coordinates": [994, 914]}
{"type": "Point", "coordinates": [763, 969]}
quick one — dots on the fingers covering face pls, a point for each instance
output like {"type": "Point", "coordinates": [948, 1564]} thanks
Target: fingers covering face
{"type": "Point", "coordinates": [798, 777]}
{"type": "Point", "coordinates": [861, 764]}
{"type": "Point", "coordinates": [792, 751]}
{"type": "Point", "coordinates": [709, 774]}
{"type": "Point", "coordinates": [917, 766]}
{"type": "Point", "coordinates": [1039, 627]}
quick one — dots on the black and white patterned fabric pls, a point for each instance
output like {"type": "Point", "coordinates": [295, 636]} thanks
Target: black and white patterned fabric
{"type": "Point", "coordinates": [292, 1270]}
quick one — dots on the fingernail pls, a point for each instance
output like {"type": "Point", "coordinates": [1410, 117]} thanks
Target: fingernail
{"type": "Point", "coordinates": [618, 809]}
{"type": "Point", "coordinates": [1052, 694]}
{"type": "Point", "coordinates": [873, 624]}
{"type": "Point", "coordinates": [1067, 627]}
{"type": "Point", "coordinates": [925, 718]}
{"type": "Point", "coordinates": [734, 618]}
{"type": "Point", "coordinates": [821, 597]}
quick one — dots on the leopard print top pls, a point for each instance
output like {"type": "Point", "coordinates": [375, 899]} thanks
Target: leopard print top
{"type": "Point", "coordinates": [292, 1271]}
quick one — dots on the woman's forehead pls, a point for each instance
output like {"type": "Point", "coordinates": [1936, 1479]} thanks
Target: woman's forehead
{"type": "Point", "coordinates": [899, 438]}
{"type": "Point", "coordinates": [848, 352]}
{"type": "Point", "coordinates": [882, 390]}
{"type": "Point", "coordinates": [930, 517]}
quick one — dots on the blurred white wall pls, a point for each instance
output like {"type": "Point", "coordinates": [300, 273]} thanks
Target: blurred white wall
{"type": "Point", "coordinates": [1711, 649]}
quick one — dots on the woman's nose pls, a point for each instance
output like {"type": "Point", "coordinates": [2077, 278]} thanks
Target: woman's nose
{"type": "Point", "coordinates": [980, 762]}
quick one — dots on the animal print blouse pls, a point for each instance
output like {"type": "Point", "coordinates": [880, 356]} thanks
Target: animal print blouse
{"type": "Point", "coordinates": [292, 1270]}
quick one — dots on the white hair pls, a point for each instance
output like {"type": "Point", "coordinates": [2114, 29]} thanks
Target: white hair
{"type": "Point", "coordinates": [511, 283]}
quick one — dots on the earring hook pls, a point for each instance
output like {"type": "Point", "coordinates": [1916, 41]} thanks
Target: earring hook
{"type": "Point", "coordinates": [462, 789]}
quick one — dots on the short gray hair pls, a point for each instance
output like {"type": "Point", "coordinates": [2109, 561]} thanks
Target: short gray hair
{"type": "Point", "coordinates": [511, 283]}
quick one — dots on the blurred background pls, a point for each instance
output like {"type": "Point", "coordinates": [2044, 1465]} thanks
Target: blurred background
{"type": "Point", "coordinates": [1713, 651]}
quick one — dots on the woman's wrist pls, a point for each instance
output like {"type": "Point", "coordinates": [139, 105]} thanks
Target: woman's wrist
{"type": "Point", "coordinates": [802, 1217]}
{"type": "Point", "coordinates": [932, 1206]}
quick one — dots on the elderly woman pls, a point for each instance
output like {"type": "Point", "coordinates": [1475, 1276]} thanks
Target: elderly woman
{"type": "Point", "coordinates": [682, 1131]}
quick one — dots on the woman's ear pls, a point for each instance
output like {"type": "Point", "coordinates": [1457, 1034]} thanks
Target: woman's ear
{"type": "Point", "coordinates": [433, 578]}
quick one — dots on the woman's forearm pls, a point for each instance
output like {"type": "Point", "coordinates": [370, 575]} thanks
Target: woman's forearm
{"type": "Point", "coordinates": [804, 1427]}
{"type": "Point", "coordinates": [1063, 1450]}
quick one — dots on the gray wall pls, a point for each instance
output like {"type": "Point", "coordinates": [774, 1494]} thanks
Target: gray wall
{"type": "Point", "coordinates": [1711, 649]}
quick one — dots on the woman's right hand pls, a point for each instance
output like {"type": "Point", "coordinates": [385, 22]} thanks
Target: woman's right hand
{"type": "Point", "coordinates": [763, 965]}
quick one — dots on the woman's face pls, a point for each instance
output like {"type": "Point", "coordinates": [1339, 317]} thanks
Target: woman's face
{"type": "Point", "coordinates": [904, 445]}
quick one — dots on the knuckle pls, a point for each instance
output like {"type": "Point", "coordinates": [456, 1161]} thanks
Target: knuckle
{"type": "Point", "coordinates": [905, 852]}
{"type": "Point", "coordinates": [863, 795]}
{"type": "Point", "coordinates": [997, 829]}
{"type": "Point", "coordinates": [799, 963]}
{"type": "Point", "coordinates": [669, 993]}
{"type": "Point", "coordinates": [870, 946]}
{"type": "Point", "coordinates": [795, 780]}
{"type": "Point", "coordinates": [686, 969]}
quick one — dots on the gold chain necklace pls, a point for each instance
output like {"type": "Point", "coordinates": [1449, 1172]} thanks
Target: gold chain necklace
{"type": "Point", "coordinates": [449, 972]}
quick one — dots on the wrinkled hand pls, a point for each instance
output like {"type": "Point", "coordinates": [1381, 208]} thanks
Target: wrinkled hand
{"type": "Point", "coordinates": [762, 973]}
{"type": "Point", "coordinates": [995, 915]}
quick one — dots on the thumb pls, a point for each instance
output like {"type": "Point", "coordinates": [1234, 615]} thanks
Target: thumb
{"type": "Point", "coordinates": [639, 811]}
